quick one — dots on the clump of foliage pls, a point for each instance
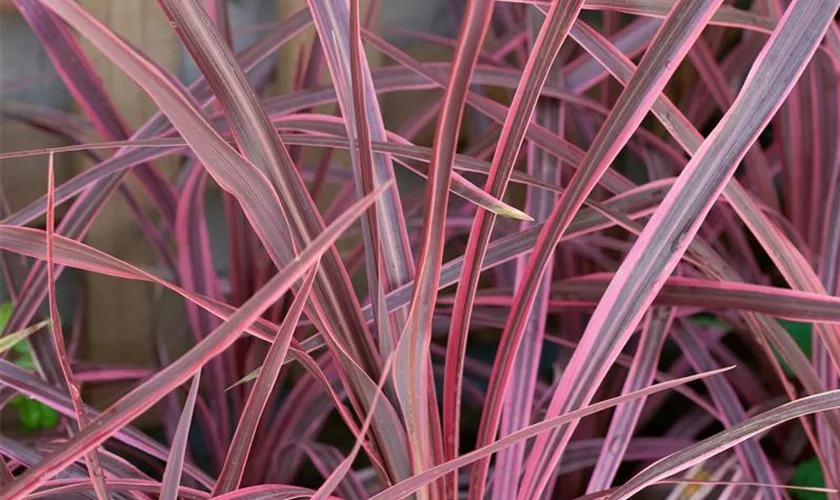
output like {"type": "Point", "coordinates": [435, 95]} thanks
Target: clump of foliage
{"type": "Point", "coordinates": [618, 273]}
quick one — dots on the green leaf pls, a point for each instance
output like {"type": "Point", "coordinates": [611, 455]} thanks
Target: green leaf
{"type": "Point", "coordinates": [34, 415]}
{"type": "Point", "coordinates": [802, 335]}
{"type": "Point", "coordinates": [23, 355]}
{"type": "Point", "coordinates": [27, 413]}
{"type": "Point", "coordinates": [49, 417]}
{"type": "Point", "coordinates": [5, 314]}
{"type": "Point", "coordinates": [808, 473]}
{"type": "Point", "coordinates": [25, 360]}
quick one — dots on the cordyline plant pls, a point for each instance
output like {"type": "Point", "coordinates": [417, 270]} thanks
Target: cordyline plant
{"type": "Point", "coordinates": [652, 308]}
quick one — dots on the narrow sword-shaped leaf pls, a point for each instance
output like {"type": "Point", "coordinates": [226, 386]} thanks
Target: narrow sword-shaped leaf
{"type": "Point", "coordinates": [92, 457]}
{"type": "Point", "coordinates": [240, 447]}
{"type": "Point", "coordinates": [197, 274]}
{"type": "Point", "coordinates": [583, 454]}
{"type": "Point", "coordinates": [412, 356]}
{"type": "Point", "coordinates": [171, 481]}
{"type": "Point", "coordinates": [359, 106]}
{"type": "Point", "coordinates": [829, 273]}
{"type": "Point", "coordinates": [708, 484]}
{"type": "Point", "coordinates": [690, 292]}
{"type": "Point", "coordinates": [678, 291]}
{"type": "Point", "coordinates": [218, 12]}
{"type": "Point", "coordinates": [788, 259]}
{"type": "Point", "coordinates": [338, 474]}
{"type": "Point", "coordinates": [27, 455]}
{"type": "Point", "coordinates": [376, 267]}
{"type": "Point", "coordinates": [626, 415]}
{"type": "Point", "coordinates": [268, 492]}
{"type": "Point", "coordinates": [756, 163]}
{"type": "Point", "coordinates": [676, 221]}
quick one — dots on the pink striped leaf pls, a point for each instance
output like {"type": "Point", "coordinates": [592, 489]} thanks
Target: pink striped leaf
{"type": "Point", "coordinates": [171, 481]}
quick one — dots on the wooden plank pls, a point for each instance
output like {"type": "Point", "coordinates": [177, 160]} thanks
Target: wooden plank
{"type": "Point", "coordinates": [121, 316]}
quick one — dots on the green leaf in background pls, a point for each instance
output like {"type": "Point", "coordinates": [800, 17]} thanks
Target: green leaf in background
{"type": "Point", "coordinates": [33, 414]}
{"type": "Point", "coordinates": [801, 333]}
{"type": "Point", "coordinates": [24, 357]}
{"type": "Point", "coordinates": [5, 313]}
{"type": "Point", "coordinates": [708, 320]}
{"type": "Point", "coordinates": [808, 473]}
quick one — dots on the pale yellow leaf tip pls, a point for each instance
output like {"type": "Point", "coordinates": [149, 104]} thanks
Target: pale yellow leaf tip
{"type": "Point", "coordinates": [513, 213]}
